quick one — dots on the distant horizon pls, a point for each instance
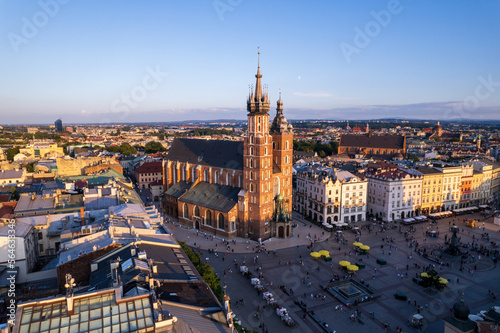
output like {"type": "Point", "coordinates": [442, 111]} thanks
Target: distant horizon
{"type": "Point", "coordinates": [98, 62]}
{"type": "Point", "coordinates": [243, 120]}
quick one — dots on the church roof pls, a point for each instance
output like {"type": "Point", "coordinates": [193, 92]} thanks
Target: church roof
{"type": "Point", "coordinates": [215, 153]}
{"type": "Point", "coordinates": [372, 141]}
{"type": "Point", "coordinates": [218, 197]}
{"type": "Point", "coordinates": [178, 189]}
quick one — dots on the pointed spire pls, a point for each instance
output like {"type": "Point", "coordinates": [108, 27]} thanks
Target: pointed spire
{"type": "Point", "coordinates": [258, 85]}
{"type": "Point", "coordinates": [279, 105]}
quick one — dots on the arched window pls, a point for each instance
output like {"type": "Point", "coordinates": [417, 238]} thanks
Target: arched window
{"type": "Point", "coordinates": [258, 128]}
{"type": "Point", "coordinates": [185, 211]}
{"type": "Point", "coordinates": [286, 145]}
{"type": "Point", "coordinates": [208, 217]}
{"type": "Point", "coordinates": [228, 179]}
{"type": "Point", "coordinates": [174, 173]}
{"type": "Point", "coordinates": [184, 173]}
{"type": "Point", "coordinates": [274, 145]}
{"type": "Point", "coordinates": [265, 151]}
{"type": "Point", "coordinates": [240, 181]}
{"type": "Point", "coordinates": [216, 177]}
{"type": "Point", "coordinates": [251, 150]}
{"type": "Point", "coordinates": [258, 119]}
{"type": "Point", "coordinates": [193, 174]}
{"type": "Point", "coordinates": [220, 221]}
{"type": "Point", "coordinates": [251, 175]}
{"type": "Point", "coordinates": [196, 211]}
{"type": "Point", "coordinates": [251, 163]}
{"type": "Point", "coordinates": [206, 175]}
{"type": "Point", "coordinates": [251, 187]}
{"type": "Point", "coordinates": [276, 187]}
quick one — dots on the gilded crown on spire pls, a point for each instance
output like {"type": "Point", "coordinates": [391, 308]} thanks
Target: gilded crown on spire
{"type": "Point", "coordinates": [258, 101]}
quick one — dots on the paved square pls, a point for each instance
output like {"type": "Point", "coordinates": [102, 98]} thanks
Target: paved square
{"type": "Point", "coordinates": [291, 274]}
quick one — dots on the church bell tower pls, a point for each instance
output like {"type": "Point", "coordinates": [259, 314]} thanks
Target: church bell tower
{"type": "Point", "coordinates": [258, 163]}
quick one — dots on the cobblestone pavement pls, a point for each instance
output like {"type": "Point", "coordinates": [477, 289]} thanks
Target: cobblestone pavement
{"type": "Point", "coordinates": [284, 268]}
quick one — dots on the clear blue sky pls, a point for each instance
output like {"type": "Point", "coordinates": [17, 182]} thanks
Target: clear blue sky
{"type": "Point", "coordinates": [429, 59]}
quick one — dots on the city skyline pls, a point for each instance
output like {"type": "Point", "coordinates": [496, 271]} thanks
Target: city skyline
{"type": "Point", "coordinates": [182, 61]}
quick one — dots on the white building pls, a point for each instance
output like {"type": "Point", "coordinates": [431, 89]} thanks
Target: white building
{"type": "Point", "coordinates": [330, 195]}
{"type": "Point", "coordinates": [24, 250]}
{"type": "Point", "coordinates": [452, 181]}
{"type": "Point", "coordinates": [394, 193]}
{"type": "Point", "coordinates": [353, 198]}
{"type": "Point", "coordinates": [12, 177]}
{"type": "Point", "coordinates": [483, 187]}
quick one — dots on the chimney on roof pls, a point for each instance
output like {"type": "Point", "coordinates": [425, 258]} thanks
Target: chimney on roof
{"type": "Point", "coordinates": [114, 271]}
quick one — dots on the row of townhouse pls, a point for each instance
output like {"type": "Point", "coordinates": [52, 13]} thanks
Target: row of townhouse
{"type": "Point", "coordinates": [390, 192]}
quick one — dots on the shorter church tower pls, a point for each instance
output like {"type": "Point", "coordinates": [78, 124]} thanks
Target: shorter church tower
{"type": "Point", "coordinates": [282, 133]}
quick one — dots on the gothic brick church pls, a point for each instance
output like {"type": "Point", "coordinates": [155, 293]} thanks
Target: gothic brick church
{"type": "Point", "coordinates": [229, 188]}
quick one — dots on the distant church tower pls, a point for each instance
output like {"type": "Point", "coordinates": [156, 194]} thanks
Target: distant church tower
{"type": "Point", "coordinates": [267, 168]}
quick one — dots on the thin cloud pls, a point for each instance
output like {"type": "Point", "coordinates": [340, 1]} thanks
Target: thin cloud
{"type": "Point", "coordinates": [322, 94]}
{"type": "Point", "coordinates": [313, 94]}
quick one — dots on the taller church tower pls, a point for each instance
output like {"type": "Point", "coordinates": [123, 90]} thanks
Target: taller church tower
{"type": "Point", "coordinates": [258, 161]}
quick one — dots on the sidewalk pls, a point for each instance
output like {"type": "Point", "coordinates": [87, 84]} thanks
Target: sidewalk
{"type": "Point", "coordinates": [200, 239]}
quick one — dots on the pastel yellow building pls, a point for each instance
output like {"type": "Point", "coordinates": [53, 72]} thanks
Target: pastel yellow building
{"type": "Point", "coordinates": [42, 149]}
{"type": "Point", "coordinates": [432, 185]}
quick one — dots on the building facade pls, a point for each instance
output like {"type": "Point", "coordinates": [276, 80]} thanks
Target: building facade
{"type": "Point", "coordinates": [432, 183]}
{"type": "Point", "coordinates": [42, 149]}
{"type": "Point", "coordinates": [481, 182]}
{"type": "Point", "coordinates": [465, 185]}
{"type": "Point", "coordinates": [389, 146]}
{"type": "Point", "coordinates": [59, 125]}
{"type": "Point", "coordinates": [330, 195]}
{"type": "Point", "coordinates": [394, 193]}
{"type": "Point", "coordinates": [452, 182]}
{"type": "Point", "coordinates": [149, 173]}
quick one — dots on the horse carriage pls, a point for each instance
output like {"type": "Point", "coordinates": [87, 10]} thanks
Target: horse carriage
{"type": "Point", "coordinates": [256, 284]}
{"type": "Point", "coordinates": [244, 271]}
{"type": "Point", "coordinates": [284, 316]}
{"type": "Point", "coordinates": [269, 298]}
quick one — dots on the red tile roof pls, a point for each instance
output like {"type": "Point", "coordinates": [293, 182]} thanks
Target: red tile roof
{"type": "Point", "coordinates": [7, 210]}
{"type": "Point", "coordinates": [150, 167]}
{"type": "Point", "coordinates": [80, 184]}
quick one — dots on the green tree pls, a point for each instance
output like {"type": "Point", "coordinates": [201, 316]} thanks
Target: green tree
{"type": "Point", "coordinates": [14, 194]}
{"type": "Point", "coordinates": [413, 157]}
{"type": "Point", "coordinates": [206, 271]}
{"type": "Point", "coordinates": [323, 150]}
{"type": "Point", "coordinates": [31, 167]}
{"type": "Point", "coordinates": [153, 147]}
{"type": "Point", "coordinates": [124, 149]}
{"type": "Point", "coordinates": [11, 152]}
{"type": "Point", "coordinates": [431, 280]}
